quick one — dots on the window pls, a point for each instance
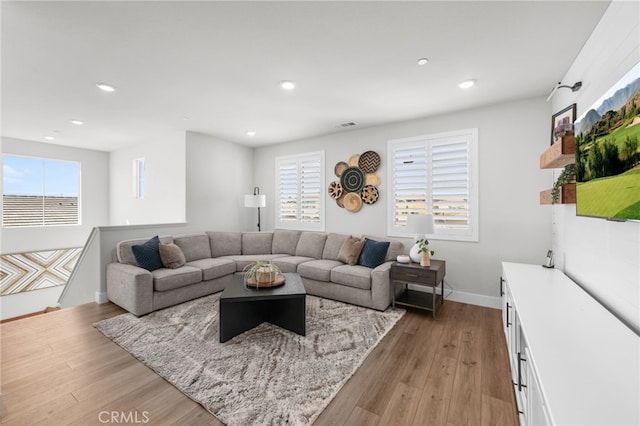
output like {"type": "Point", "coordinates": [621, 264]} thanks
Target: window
{"type": "Point", "coordinates": [299, 194]}
{"type": "Point", "coordinates": [435, 174]}
{"type": "Point", "coordinates": [39, 192]}
{"type": "Point", "coordinates": [138, 178]}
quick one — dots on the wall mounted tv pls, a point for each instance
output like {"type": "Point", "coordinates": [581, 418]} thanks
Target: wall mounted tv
{"type": "Point", "coordinates": [608, 153]}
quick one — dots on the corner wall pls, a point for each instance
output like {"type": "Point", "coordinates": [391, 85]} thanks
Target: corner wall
{"type": "Point", "coordinates": [218, 175]}
{"type": "Point", "coordinates": [602, 256]}
{"type": "Point", "coordinates": [513, 227]}
{"type": "Point", "coordinates": [165, 166]}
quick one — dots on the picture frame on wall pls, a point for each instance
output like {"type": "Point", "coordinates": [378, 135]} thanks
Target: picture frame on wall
{"type": "Point", "coordinates": [562, 123]}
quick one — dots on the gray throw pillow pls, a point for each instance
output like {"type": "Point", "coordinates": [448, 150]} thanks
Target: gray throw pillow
{"type": "Point", "coordinates": [171, 255]}
{"type": "Point", "coordinates": [350, 251]}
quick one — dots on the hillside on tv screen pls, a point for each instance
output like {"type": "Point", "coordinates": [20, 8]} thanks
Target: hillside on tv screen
{"type": "Point", "coordinates": [608, 153]}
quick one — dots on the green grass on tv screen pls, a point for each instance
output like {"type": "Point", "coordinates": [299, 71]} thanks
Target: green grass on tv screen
{"type": "Point", "coordinates": [614, 196]}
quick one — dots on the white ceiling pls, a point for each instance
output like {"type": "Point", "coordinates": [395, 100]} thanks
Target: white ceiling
{"type": "Point", "coordinates": [219, 64]}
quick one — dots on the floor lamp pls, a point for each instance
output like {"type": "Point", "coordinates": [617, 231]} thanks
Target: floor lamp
{"type": "Point", "coordinates": [255, 200]}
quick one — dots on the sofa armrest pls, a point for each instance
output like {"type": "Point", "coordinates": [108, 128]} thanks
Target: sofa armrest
{"type": "Point", "coordinates": [381, 286]}
{"type": "Point", "coordinates": [130, 287]}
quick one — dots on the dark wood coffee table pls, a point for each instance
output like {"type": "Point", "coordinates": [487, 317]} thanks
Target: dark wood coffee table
{"type": "Point", "coordinates": [242, 308]}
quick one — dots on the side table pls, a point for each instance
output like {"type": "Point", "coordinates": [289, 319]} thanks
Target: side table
{"type": "Point", "coordinates": [412, 273]}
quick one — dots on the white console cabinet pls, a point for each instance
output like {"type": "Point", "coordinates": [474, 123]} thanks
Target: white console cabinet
{"type": "Point", "coordinates": [572, 361]}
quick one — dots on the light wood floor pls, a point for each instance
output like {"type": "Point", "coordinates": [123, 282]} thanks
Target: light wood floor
{"type": "Point", "coordinates": [57, 369]}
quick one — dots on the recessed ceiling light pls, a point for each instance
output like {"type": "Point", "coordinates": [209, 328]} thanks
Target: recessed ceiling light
{"type": "Point", "coordinates": [467, 84]}
{"type": "Point", "coordinates": [423, 61]}
{"type": "Point", "coordinates": [288, 84]}
{"type": "Point", "coordinates": [251, 132]}
{"type": "Point", "coordinates": [49, 138]}
{"type": "Point", "coordinates": [77, 122]}
{"type": "Point", "coordinates": [105, 87]}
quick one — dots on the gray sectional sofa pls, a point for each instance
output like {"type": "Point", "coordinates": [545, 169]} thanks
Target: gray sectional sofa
{"type": "Point", "coordinates": [212, 258]}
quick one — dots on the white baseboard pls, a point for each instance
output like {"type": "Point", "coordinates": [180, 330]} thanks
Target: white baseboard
{"type": "Point", "coordinates": [101, 297]}
{"type": "Point", "coordinates": [476, 299]}
{"type": "Point", "coordinates": [463, 297]}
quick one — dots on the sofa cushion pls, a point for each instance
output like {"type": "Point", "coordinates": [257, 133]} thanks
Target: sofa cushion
{"type": "Point", "coordinates": [225, 243]}
{"type": "Point", "coordinates": [147, 254]}
{"type": "Point", "coordinates": [194, 246]}
{"type": "Point", "coordinates": [373, 253]}
{"type": "Point", "coordinates": [284, 241]}
{"type": "Point", "coordinates": [257, 242]}
{"type": "Point", "coordinates": [169, 279]}
{"type": "Point", "coordinates": [352, 276]}
{"type": "Point", "coordinates": [214, 268]}
{"type": "Point", "coordinates": [124, 253]}
{"type": "Point", "coordinates": [350, 251]}
{"type": "Point", "coordinates": [333, 245]}
{"type": "Point", "coordinates": [311, 244]}
{"type": "Point", "coordinates": [242, 260]}
{"type": "Point", "coordinates": [171, 256]}
{"type": "Point", "coordinates": [319, 270]}
{"type": "Point", "coordinates": [395, 249]}
{"type": "Point", "coordinates": [290, 263]}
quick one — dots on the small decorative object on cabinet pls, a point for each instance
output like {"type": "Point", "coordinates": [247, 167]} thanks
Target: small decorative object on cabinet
{"type": "Point", "coordinates": [432, 276]}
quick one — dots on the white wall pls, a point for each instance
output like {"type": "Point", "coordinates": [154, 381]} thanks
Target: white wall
{"type": "Point", "coordinates": [165, 168]}
{"type": "Point", "coordinates": [94, 198]}
{"type": "Point", "coordinates": [218, 175]}
{"type": "Point", "coordinates": [513, 227]}
{"type": "Point", "coordinates": [602, 256]}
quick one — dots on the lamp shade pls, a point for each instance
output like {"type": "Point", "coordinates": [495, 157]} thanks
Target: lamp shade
{"type": "Point", "coordinates": [259, 200]}
{"type": "Point", "coordinates": [420, 224]}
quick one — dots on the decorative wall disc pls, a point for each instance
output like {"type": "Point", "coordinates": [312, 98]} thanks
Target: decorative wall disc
{"type": "Point", "coordinates": [369, 161]}
{"type": "Point", "coordinates": [352, 202]}
{"type": "Point", "coordinates": [372, 179]}
{"type": "Point", "coordinates": [340, 201]}
{"type": "Point", "coordinates": [353, 160]}
{"type": "Point", "coordinates": [352, 179]}
{"type": "Point", "coordinates": [370, 194]}
{"type": "Point", "coordinates": [335, 189]}
{"type": "Point", "coordinates": [339, 168]}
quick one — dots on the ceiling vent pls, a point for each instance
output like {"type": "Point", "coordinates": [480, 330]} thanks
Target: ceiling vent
{"type": "Point", "coordinates": [349, 124]}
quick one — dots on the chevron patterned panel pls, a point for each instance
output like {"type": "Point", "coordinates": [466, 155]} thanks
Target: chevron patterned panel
{"type": "Point", "coordinates": [35, 270]}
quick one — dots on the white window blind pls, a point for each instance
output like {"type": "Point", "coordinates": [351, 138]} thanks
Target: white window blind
{"type": "Point", "coordinates": [299, 185]}
{"type": "Point", "coordinates": [435, 174]}
{"type": "Point", "coordinates": [40, 192]}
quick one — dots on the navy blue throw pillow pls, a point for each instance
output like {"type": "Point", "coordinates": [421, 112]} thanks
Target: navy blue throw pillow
{"type": "Point", "coordinates": [374, 253]}
{"type": "Point", "coordinates": [148, 254]}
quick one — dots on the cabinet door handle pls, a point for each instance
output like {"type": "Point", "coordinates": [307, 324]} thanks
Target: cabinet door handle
{"type": "Point", "coordinates": [501, 291]}
{"type": "Point", "coordinates": [412, 275]}
{"type": "Point", "coordinates": [520, 360]}
{"type": "Point", "coordinates": [508, 322]}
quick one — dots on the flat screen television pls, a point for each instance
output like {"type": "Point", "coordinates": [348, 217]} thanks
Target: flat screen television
{"type": "Point", "coordinates": [608, 153]}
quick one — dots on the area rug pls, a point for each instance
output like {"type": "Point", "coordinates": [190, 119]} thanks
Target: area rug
{"type": "Point", "coordinates": [266, 375]}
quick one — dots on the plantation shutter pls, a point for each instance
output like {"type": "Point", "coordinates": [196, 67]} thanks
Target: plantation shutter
{"type": "Point", "coordinates": [310, 190]}
{"type": "Point", "coordinates": [300, 195]}
{"type": "Point", "coordinates": [435, 174]}
{"type": "Point", "coordinates": [449, 179]}
{"type": "Point", "coordinates": [409, 182]}
{"type": "Point", "coordinates": [288, 192]}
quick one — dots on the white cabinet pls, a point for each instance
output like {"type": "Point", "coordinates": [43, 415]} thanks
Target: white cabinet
{"type": "Point", "coordinates": [536, 408]}
{"type": "Point", "coordinates": [572, 361]}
